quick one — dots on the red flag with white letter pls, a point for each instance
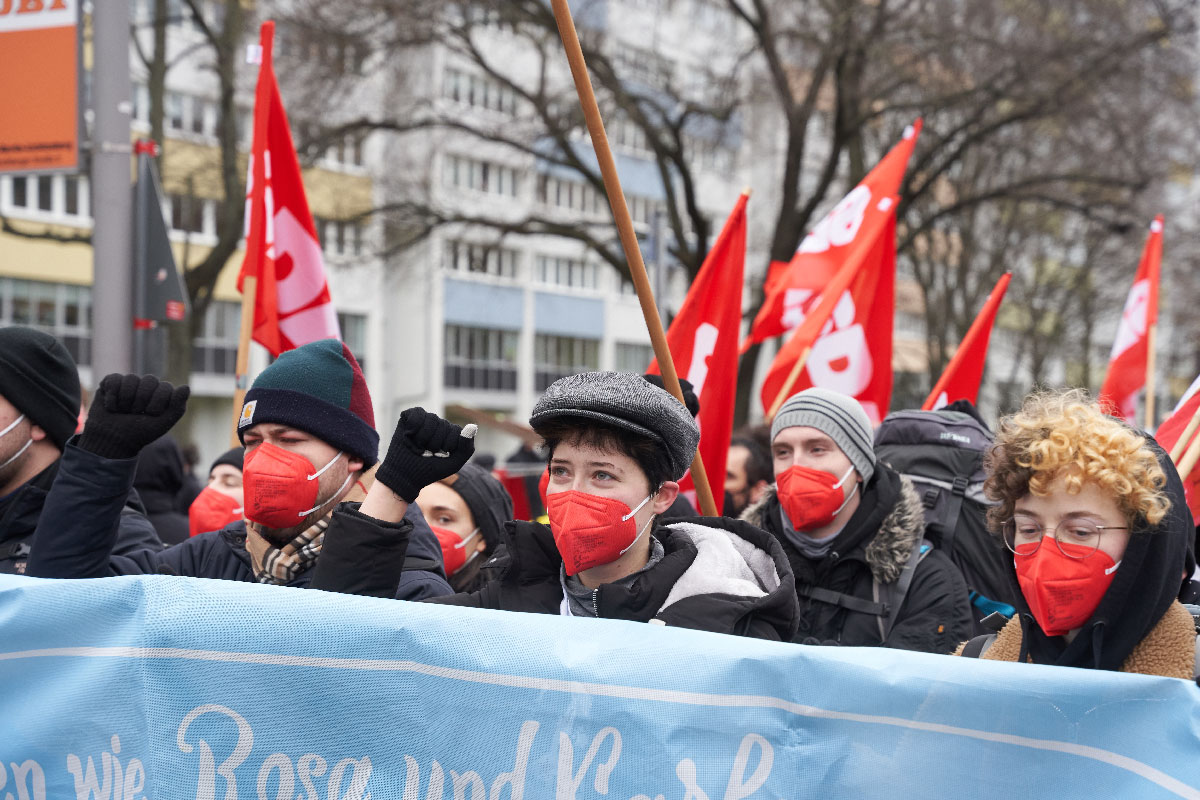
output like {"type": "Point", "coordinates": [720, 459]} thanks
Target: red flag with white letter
{"type": "Point", "coordinates": [792, 288]}
{"type": "Point", "coordinates": [961, 378]}
{"type": "Point", "coordinates": [848, 334]}
{"type": "Point", "coordinates": [1127, 364]}
{"type": "Point", "coordinates": [292, 304]}
{"type": "Point", "coordinates": [704, 345]}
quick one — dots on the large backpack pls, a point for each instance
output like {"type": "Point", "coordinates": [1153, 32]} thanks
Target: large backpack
{"type": "Point", "coordinates": [941, 452]}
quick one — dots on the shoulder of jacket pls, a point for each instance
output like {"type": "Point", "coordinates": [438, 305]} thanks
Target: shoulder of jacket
{"type": "Point", "coordinates": [900, 531]}
{"type": "Point", "coordinates": [756, 513]}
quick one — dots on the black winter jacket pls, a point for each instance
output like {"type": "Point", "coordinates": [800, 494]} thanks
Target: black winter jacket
{"type": "Point", "coordinates": [20, 512]}
{"type": "Point", "coordinates": [75, 537]}
{"type": "Point", "coordinates": [718, 575]}
{"type": "Point", "coordinates": [158, 480]}
{"type": "Point", "coordinates": [874, 547]}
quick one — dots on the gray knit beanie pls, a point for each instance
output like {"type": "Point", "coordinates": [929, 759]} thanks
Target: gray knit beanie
{"type": "Point", "coordinates": [626, 401]}
{"type": "Point", "coordinates": [838, 416]}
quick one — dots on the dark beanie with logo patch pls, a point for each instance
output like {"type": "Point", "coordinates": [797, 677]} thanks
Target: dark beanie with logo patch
{"type": "Point", "coordinates": [39, 377]}
{"type": "Point", "coordinates": [319, 389]}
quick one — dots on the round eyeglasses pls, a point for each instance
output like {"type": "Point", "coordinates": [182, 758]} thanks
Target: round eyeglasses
{"type": "Point", "coordinates": [1075, 538]}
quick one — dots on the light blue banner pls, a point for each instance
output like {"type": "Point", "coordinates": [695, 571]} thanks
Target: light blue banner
{"type": "Point", "coordinates": [166, 687]}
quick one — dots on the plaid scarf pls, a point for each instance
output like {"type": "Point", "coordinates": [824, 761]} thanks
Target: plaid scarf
{"type": "Point", "coordinates": [281, 565]}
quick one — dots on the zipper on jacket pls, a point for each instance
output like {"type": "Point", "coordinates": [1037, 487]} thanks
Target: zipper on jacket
{"type": "Point", "coordinates": [596, 601]}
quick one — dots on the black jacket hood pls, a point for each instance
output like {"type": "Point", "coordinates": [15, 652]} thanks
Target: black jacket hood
{"type": "Point", "coordinates": [1144, 586]}
{"type": "Point", "coordinates": [159, 475]}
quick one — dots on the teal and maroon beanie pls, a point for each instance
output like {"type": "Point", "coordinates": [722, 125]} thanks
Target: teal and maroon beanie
{"type": "Point", "coordinates": [319, 389]}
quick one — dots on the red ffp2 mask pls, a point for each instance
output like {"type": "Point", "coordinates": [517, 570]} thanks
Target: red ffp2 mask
{"type": "Point", "coordinates": [454, 548]}
{"type": "Point", "coordinates": [1063, 592]}
{"type": "Point", "coordinates": [590, 530]}
{"type": "Point", "coordinates": [212, 511]}
{"type": "Point", "coordinates": [811, 498]}
{"type": "Point", "coordinates": [281, 487]}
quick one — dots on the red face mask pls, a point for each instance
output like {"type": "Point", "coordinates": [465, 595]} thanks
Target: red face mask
{"type": "Point", "coordinates": [1063, 592]}
{"type": "Point", "coordinates": [811, 498]}
{"type": "Point", "coordinates": [590, 530]}
{"type": "Point", "coordinates": [212, 511]}
{"type": "Point", "coordinates": [454, 548]}
{"type": "Point", "coordinates": [543, 483]}
{"type": "Point", "coordinates": [281, 487]}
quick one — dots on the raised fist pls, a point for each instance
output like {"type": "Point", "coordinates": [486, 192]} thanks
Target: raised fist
{"type": "Point", "coordinates": [425, 448]}
{"type": "Point", "coordinates": [129, 412]}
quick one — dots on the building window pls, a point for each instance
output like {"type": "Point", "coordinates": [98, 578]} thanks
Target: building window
{"type": "Point", "coordinates": [354, 336]}
{"type": "Point", "coordinates": [187, 213]}
{"type": "Point", "coordinates": [62, 310]}
{"type": "Point", "coordinates": [480, 358]}
{"type": "Point", "coordinates": [573, 195]}
{"type": "Point", "coordinates": [214, 351]}
{"type": "Point", "coordinates": [20, 192]}
{"type": "Point", "coordinates": [556, 357]}
{"type": "Point", "coordinates": [633, 357]}
{"type": "Point", "coordinates": [480, 259]}
{"type": "Point", "coordinates": [45, 186]}
{"type": "Point", "coordinates": [339, 237]}
{"type": "Point", "coordinates": [480, 176]}
{"type": "Point", "coordinates": [571, 272]}
{"type": "Point", "coordinates": [71, 195]}
{"type": "Point", "coordinates": [173, 111]}
{"type": "Point", "coordinates": [477, 91]}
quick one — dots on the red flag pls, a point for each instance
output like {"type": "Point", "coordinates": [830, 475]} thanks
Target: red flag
{"type": "Point", "coordinates": [292, 305]}
{"type": "Point", "coordinates": [792, 288]}
{"type": "Point", "coordinates": [704, 346]}
{"type": "Point", "coordinates": [1127, 364]}
{"type": "Point", "coordinates": [961, 378]}
{"type": "Point", "coordinates": [850, 329]}
{"type": "Point", "coordinates": [1168, 435]}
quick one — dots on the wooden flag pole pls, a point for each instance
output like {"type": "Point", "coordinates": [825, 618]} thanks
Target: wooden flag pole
{"type": "Point", "coordinates": [1181, 445]}
{"type": "Point", "coordinates": [249, 292]}
{"type": "Point", "coordinates": [633, 255]}
{"type": "Point", "coordinates": [1187, 463]}
{"type": "Point", "coordinates": [1151, 336]}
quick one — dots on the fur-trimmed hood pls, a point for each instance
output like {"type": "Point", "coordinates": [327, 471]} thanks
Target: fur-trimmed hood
{"type": "Point", "coordinates": [899, 532]}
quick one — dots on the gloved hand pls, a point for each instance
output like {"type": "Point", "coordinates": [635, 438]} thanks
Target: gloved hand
{"type": "Point", "coordinates": [129, 412]}
{"type": "Point", "coordinates": [425, 448]}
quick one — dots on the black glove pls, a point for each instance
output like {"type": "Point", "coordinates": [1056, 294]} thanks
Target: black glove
{"type": "Point", "coordinates": [425, 448]}
{"type": "Point", "coordinates": [129, 412]}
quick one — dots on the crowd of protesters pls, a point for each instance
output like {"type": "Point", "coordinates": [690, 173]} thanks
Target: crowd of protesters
{"type": "Point", "coordinates": [824, 542]}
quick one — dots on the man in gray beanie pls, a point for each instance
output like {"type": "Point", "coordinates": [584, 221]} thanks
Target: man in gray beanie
{"type": "Point", "coordinates": [852, 529]}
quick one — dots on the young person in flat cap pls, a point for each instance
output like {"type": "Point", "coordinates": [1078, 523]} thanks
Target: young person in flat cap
{"type": "Point", "coordinates": [852, 529]}
{"type": "Point", "coordinates": [1096, 519]}
{"type": "Point", "coordinates": [39, 411]}
{"type": "Point", "coordinates": [617, 447]}
{"type": "Point", "coordinates": [308, 427]}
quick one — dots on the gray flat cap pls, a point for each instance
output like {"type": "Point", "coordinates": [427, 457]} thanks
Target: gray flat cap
{"type": "Point", "coordinates": [623, 400]}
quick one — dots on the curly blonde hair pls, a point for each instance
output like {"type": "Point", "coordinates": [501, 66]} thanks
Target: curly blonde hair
{"type": "Point", "coordinates": [1064, 433]}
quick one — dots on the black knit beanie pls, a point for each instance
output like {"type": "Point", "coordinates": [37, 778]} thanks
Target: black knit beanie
{"type": "Point", "coordinates": [490, 503]}
{"type": "Point", "coordinates": [38, 376]}
{"type": "Point", "coordinates": [233, 458]}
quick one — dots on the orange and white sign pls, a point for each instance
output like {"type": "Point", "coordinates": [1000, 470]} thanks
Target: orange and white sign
{"type": "Point", "coordinates": [39, 85]}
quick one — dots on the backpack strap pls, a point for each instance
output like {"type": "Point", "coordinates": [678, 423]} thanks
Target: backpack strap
{"type": "Point", "coordinates": [979, 645]}
{"type": "Point", "coordinates": [16, 550]}
{"type": "Point", "coordinates": [892, 594]}
{"type": "Point", "coordinates": [953, 509]}
{"type": "Point", "coordinates": [846, 601]}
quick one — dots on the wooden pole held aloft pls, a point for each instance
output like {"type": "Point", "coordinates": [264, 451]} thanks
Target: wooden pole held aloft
{"type": "Point", "coordinates": [624, 222]}
{"type": "Point", "coordinates": [249, 292]}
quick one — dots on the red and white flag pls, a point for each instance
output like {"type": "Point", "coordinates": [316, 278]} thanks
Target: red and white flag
{"type": "Point", "coordinates": [1168, 435]}
{"type": "Point", "coordinates": [1130, 353]}
{"type": "Point", "coordinates": [792, 287]}
{"type": "Point", "coordinates": [292, 305]}
{"type": "Point", "coordinates": [704, 346]}
{"type": "Point", "coordinates": [848, 334]}
{"type": "Point", "coordinates": [961, 378]}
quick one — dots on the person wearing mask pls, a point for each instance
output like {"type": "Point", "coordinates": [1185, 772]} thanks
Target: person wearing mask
{"type": "Point", "coordinates": [158, 480]}
{"type": "Point", "coordinates": [852, 530]}
{"type": "Point", "coordinates": [467, 512]}
{"type": "Point", "coordinates": [220, 502]}
{"type": "Point", "coordinates": [617, 447]}
{"type": "Point", "coordinates": [1095, 517]}
{"type": "Point", "coordinates": [308, 428]}
{"type": "Point", "coordinates": [748, 474]}
{"type": "Point", "coordinates": [39, 412]}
